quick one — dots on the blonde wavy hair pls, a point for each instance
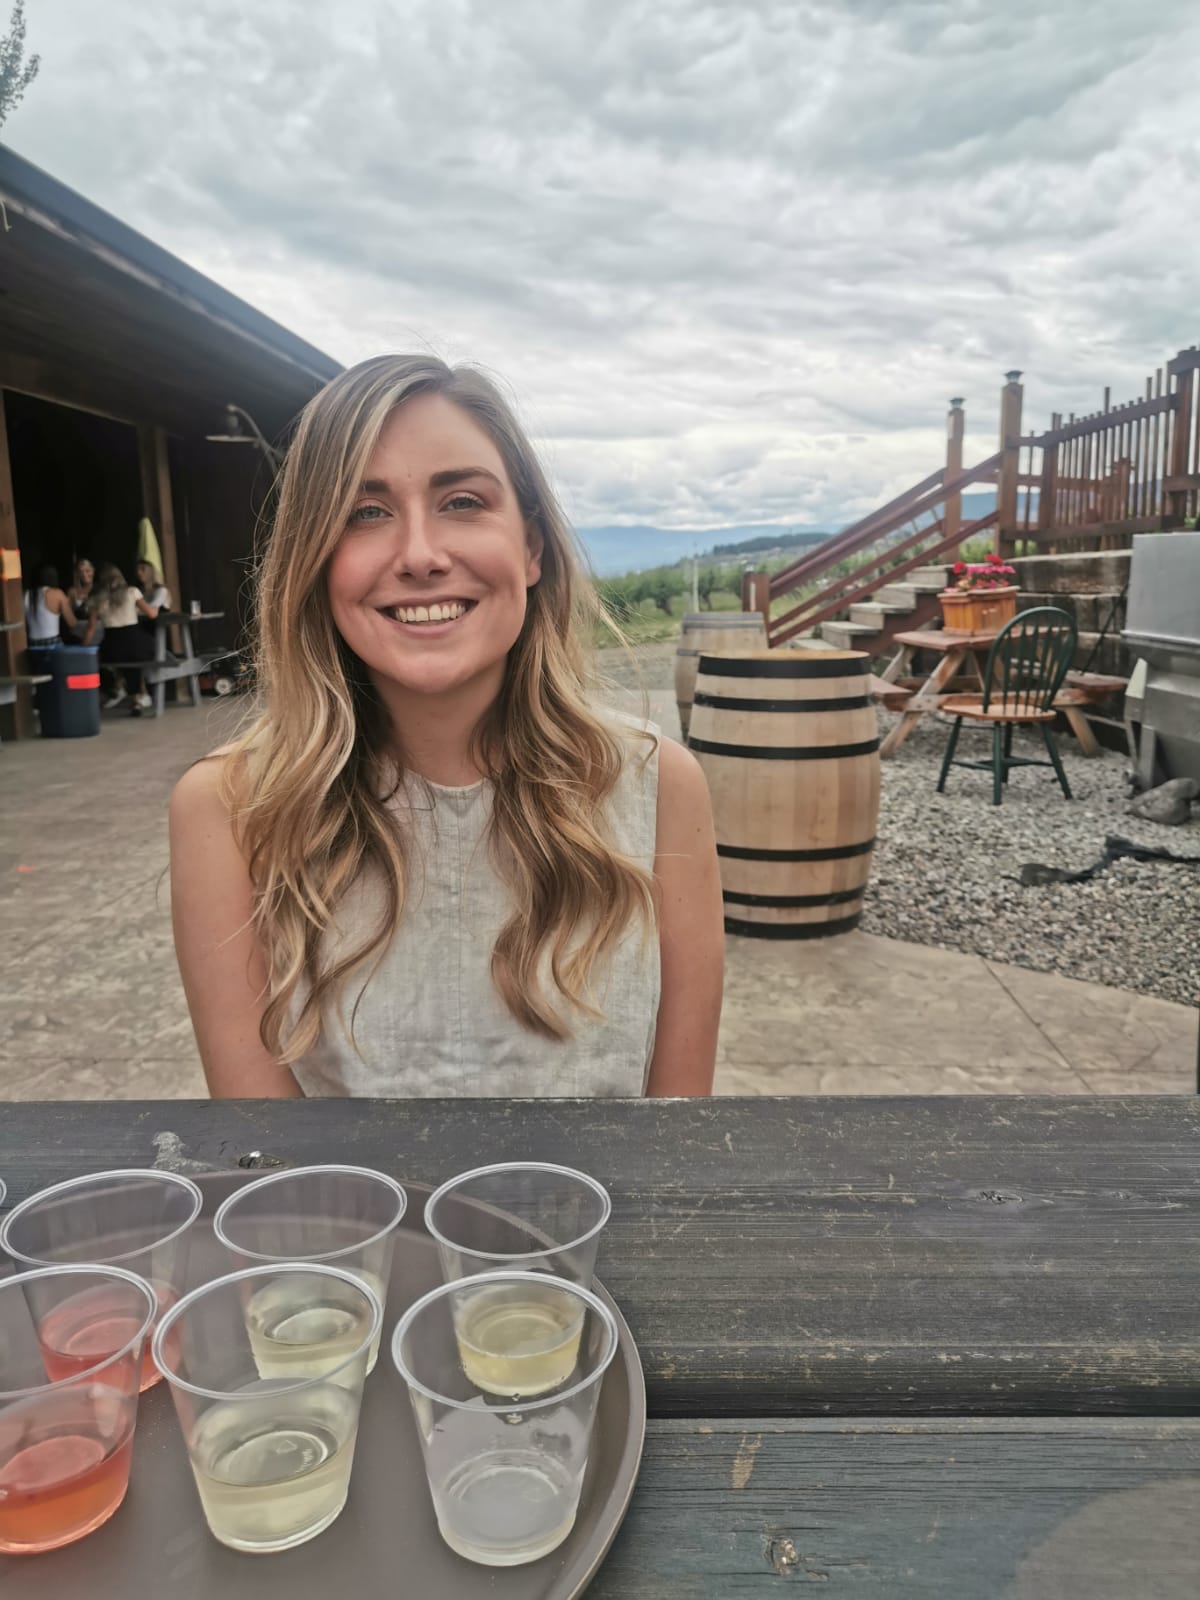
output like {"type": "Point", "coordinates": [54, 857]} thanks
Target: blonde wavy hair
{"type": "Point", "coordinates": [309, 780]}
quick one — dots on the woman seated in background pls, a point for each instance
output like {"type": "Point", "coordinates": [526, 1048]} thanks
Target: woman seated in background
{"type": "Point", "coordinates": [433, 864]}
{"type": "Point", "coordinates": [118, 607]}
{"type": "Point", "coordinates": [154, 592]}
{"type": "Point", "coordinates": [83, 601]}
{"type": "Point", "coordinates": [48, 608]}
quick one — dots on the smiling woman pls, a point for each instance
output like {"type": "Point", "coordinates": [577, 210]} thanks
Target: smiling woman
{"type": "Point", "coordinates": [433, 864]}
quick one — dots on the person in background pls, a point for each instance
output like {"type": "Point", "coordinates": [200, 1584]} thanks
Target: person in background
{"type": "Point", "coordinates": [47, 607]}
{"type": "Point", "coordinates": [154, 591]}
{"type": "Point", "coordinates": [83, 602]}
{"type": "Point", "coordinates": [118, 607]}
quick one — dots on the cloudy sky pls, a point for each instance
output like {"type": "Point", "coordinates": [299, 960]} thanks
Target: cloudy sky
{"type": "Point", "coordinates": [732, 258]}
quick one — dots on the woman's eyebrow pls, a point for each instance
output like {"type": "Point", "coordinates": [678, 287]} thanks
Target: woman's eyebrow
{"type": "Point", "coordinates": [438, 480]}
{"type": "Point", "coordinates": [443, 480]}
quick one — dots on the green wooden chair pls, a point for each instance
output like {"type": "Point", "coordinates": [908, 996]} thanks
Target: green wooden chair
{"type": "Point", "coordinates": [1025, 670]}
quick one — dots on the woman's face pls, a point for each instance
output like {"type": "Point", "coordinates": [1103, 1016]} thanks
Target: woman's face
{"type": "Point", "coordinates": [435, 528]}
{"type": "Point", "coordinates": [145, 574]}
{"type": "Point", "coordinates": [85, 574]}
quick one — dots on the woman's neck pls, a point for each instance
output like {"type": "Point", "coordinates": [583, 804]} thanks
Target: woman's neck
{"type": "Point", "coordinates": [435, 734]}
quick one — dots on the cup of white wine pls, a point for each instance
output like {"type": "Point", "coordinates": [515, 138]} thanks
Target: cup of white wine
{"type": "Point", "coordinates": [541, 1222]}
{"type": "Point", "coordinates": [271, 1447]}
{"type": "Point", "coordinates": [337, 1216]}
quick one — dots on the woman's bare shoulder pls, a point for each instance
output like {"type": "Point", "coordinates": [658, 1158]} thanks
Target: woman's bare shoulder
{"type": "Point", "coordinates": [201, 792]}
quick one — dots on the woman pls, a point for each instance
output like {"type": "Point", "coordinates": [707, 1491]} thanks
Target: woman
{"type": "Point", "coordinates": [118, 607]}
{"type": "Point", "coordinates": [82, 599]}
{"type": "Point", "coordinates": [431, 865]}
{"type": "Point", "coordinates": [47, 608]}
{"type": "Point", "coordinates": [155, 593]}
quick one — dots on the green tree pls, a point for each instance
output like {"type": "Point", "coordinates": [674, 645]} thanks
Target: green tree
{"type": "Point", "coordinates": [708, 581]}
{"type": "Point", "coordinates": [661, 585]}
{"type": "Point", "coordinates": [16, 74]}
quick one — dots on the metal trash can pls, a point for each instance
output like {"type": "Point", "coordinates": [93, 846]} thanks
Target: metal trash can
{"type": "Point", "coordinates": [69, 705]}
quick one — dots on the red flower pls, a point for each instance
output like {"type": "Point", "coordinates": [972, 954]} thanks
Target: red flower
{"type": "Point", "coordinates": [959, 566]}
{"type": "Point", "coordinates": [994, 559]}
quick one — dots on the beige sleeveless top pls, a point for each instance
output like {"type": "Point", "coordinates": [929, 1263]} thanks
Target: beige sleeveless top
{"type": "Point", "coordinates": [428, 1020]}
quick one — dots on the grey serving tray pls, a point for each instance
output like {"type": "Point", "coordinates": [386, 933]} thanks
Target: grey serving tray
{"type": "Point", "coordinates": [385, 1543]}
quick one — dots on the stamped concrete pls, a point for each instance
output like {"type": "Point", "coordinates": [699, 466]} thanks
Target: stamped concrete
{"type": "Point", "coordinates": [92, 1006]}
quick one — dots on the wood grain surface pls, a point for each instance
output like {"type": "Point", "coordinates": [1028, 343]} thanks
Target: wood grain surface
{"type": "Point", "coordinates": [1033, 1509]}
{"type": "Point", "coordinates": [793, 1257]}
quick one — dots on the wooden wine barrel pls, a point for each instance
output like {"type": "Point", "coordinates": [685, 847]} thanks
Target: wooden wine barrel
{"type": "Point", "coordinates": [789, 744]}
{"type": "Point", "coordinates": [711, 631]}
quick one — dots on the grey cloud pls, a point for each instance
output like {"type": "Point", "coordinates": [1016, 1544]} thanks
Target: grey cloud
{"type": "Point", "coordinates": [733, 255]}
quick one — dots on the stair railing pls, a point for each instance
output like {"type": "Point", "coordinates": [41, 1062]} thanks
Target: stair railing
{"type": "Point", "coordinates": [871, 534]}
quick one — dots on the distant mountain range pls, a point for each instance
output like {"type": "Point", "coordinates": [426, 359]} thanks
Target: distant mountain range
{"type": "Point", "coordinates": [633, 548]}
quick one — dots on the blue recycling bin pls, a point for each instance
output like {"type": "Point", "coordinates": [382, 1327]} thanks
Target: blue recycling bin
{"type": "Point", "coordinates": [69, 705]}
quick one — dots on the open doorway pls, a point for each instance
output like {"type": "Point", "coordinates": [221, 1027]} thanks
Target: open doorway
{"type": "Point", "coordinates": [76, 486]}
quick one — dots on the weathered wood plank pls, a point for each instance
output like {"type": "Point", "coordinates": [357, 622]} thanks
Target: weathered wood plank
{"type": "Point", "coordinates": [798, 1256]}
{"type": "Point", "coordinates": [1048, 1510]}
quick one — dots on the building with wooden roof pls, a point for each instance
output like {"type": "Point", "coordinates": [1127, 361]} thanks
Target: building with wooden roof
{"type": "Point", "coordinates": [117, 361]}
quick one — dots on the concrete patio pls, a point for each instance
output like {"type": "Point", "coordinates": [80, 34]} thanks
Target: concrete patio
{"type": "Point", "coordinates": [92, 1005]}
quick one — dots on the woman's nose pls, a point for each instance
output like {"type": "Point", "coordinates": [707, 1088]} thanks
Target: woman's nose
{"type": "Point", "coordinates": [420, 546]}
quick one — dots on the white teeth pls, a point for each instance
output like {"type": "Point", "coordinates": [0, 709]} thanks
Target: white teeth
{"type": "Point", "coordinates": [437, 612]}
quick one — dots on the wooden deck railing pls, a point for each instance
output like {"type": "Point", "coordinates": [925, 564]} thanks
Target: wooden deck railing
{"type": "Point", "coordinates": [1097, 480]}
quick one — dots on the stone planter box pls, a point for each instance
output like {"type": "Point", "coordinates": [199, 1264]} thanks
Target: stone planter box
{"type": "Point", "coordinates": [978, 610]}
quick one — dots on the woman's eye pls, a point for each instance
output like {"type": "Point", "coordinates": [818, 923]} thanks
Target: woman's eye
{"type": "Point", "coordinates": [362, 514]}
{"type": "Point", "coordinates": [464, 502]}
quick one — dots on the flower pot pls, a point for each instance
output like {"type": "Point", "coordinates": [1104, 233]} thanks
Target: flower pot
{"type": "Point", "coordinates": [978, 610]}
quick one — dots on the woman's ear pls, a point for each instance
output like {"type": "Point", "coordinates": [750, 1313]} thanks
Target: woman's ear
{"type": "Point", "coordinates": [534, 545]}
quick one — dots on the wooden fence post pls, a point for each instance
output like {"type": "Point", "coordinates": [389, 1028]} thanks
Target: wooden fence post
{"type": "Point", "coordinates": [16, 720]}
{"type": "Point", "coordinates": [1010, 464]}
{"type": "Point", "coordinates": [952, 513]}
{"type": "Point", "coordinates": [1181, 436]}
{"type": "Point", "coordinates": [756, 595]}
{"type": "Point", "coordinates": [1048, 488]}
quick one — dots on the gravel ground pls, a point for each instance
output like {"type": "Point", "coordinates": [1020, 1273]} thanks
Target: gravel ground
{"type": "Point", "coordinates": [946, 867]}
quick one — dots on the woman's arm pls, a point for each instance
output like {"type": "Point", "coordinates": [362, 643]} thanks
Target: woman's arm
{"type": "Point", "coordinates": [64, 608]}
{"type": "Point", "coordinates": [144, 608]}
{"type": "Point", "coordinates": [691, 929]}
{"type": "Point", "coordinates": [220, 960]}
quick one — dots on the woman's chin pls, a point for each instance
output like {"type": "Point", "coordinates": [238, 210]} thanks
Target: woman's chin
{"type": "Point", "coordinates": [434, 680]}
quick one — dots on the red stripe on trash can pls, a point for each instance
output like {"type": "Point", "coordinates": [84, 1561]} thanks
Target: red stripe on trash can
{"type": "Point", "coordinates": [83, 680]}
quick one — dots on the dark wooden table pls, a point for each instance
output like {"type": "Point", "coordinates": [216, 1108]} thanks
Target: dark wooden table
{"type": "Point", "coordinates": [160, 671]}
{"type": "Point", "coordinates": [906, 1347]}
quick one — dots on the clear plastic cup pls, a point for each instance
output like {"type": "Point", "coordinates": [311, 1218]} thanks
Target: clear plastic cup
{"type": "Point", "coordinates": [505, 1470]}
{"type": "Point", "coordinates": [271, 1445]}
{"type": "Point", "coordinates": [342, 1216]}
{"type": "Point", "coordinates": [519, 1217]}
{"type": "Point", "coordinates": [132, 1218]}
{"type": "Point", "coordinates": [71, 1341]}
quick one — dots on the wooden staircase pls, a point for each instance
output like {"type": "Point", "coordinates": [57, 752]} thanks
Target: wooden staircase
{"type": "Point", "coordinates": [895, 608]}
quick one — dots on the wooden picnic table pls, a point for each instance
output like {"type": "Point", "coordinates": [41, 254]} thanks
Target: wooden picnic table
{"type": "Point", "coordinates": [159, 672]}
{"type": "Point", "coordinates": [898, 1347]}
{"type": "Point", "coordinates": [961, 652]}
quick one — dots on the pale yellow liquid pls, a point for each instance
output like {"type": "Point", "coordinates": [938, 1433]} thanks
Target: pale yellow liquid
{"type": "Point", "coordinates": [517, 1339]}
{"type": "Point", "coordinates": [300, 1326]}
{"type": "Point", "coordinates": [273, 1474]}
